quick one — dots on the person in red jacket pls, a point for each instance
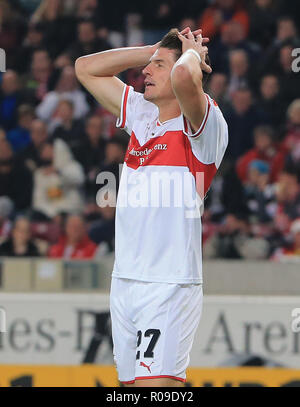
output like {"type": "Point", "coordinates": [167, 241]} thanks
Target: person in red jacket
{"type": "Point", "coordinates": [265, 150]}
{"type": "Point", "coordinates": [219, 13]}
{"type": "Point", "coordinates": [75, 244]}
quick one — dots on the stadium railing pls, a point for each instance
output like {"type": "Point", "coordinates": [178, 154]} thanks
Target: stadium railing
{"type": "Point", "coordinates": [220, 276]}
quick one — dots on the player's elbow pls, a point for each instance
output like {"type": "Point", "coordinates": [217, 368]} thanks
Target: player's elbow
{"type": "Point", "coordinates": [182, 79]}
{"type": "Point", "coordinates": [80, 67]}
{"type": "Point", "coordinates": [180, 75]}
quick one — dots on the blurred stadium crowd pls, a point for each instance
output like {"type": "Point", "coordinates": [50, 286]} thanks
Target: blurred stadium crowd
{"type": "Point", "coordinates": [55, 138]}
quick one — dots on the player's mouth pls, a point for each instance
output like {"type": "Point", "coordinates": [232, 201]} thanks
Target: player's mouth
{"type": "Point", "coordinates": [148, 84]}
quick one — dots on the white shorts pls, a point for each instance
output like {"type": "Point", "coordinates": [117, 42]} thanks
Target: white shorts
{"type": "Point", "coordinates": [153, 327]}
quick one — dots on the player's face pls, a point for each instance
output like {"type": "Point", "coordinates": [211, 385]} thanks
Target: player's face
{"type": "Point", "coordinates": [158, 76]}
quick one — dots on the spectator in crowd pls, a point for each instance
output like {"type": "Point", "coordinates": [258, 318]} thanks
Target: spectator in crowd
{"type": "Point", "coordinates": [20, 243]}
{"type": "Point", "coordinates": [279, 234]}
{"type": "Point", "coordinates": [239, 74]}
{"type": "Point", "coordinates": [259, 193]}
{"type": "Point", "coordinates": [115, 150]}
{"type": "Point", "coordinates": [30, 155]}
{"type": "Point", "coordinates": [47, 10]}
{"type": "Point", "coordinates": [75, 244]}
{"type": "Point", "coordinates": [242, 118]}
{"type": "Point", "coordinates": [217, 89]}
{"type": "Point", "coordinates": [91, 150]}
{"type": "Point", "coordinates": [292, 137]}
{"type": "Point", "coordinates": [262, 21]}
{"type": "Point", "coordinates": [221, 12]}
{"type": "Point", "coordinates": [102, 231]}
{"type": "Point", "coordinates": [67, 128]}
{"type": "Point", "coordinates": [40, 71]}
{"type": "Point", "coordinates": [187, 22]}
{"type": "Point", "coordinates": [19, 137]}
{"type": "Point", "coordinates": [32, 42]}
{"type": "Point", "coordinates": [291, 141]}
{"type": "Point", "coordinates": [63, 60]}
{"type": "Point", "coordinates": [158, 16]}
{"type": "Point", "coordinates": [86, 8]}
{"type": "Point", "coordinates": [87, 40]}
{"type": "Point", "coordinates": [293, 248]}
{"type": "Point", "coordinates": [114, 153]}
{"type": "Point", "coordinates": [265, 149]}
{"type": "Point", "coordinates": [6, 210]}
{"type": "Point", "coordinates": [59, 23]}
{"type": "Point", "coordinates": [15, 179]}
{"type": "Point", "coordinates": [233, 241]}
{"type": "Point", "coordinates": [232, 191]}
{"type": "Point", "coordinates": [12, 29]}
{"type": "Point", "coordinates": [269, 100]}
{"type": "Point", "coordinates": [286, 32]}
{"type": "Point", "coordinates": [295, 231]}
{"type": "Point", "coordinates": [288, 78]}
{"type": "Point", "coordinates": [233, 36]}
{"type": "Point", "coordinates": [288, 195]}
{"type": "Point", "coordinates": [67, 88]}
{"type": "Point", "coordinates": [10, 99]}
{"type": "Point", "coordinates": [57, 182]}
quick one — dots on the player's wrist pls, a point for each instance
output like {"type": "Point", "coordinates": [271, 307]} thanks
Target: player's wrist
{"type": "Point", "coordinates": [194, 52]}
{"type": "Point", "coordinates": [150, 49]}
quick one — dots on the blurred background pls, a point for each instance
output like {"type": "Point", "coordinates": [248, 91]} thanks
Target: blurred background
{"type": "Point", "coordinates": [57, 245]}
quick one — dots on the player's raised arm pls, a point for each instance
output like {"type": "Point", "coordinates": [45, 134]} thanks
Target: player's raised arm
{"type": "Point", "coordinates": [97, 73]}
{"type": "Point", "coordinates": [187, 76]}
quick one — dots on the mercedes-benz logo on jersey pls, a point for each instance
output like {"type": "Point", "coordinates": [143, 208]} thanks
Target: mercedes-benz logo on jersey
{"type": "Point", "coordinates": [146, 151]}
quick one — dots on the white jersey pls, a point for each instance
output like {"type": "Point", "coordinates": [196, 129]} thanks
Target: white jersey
{"type": "Point", "coordinates": [166, 170]}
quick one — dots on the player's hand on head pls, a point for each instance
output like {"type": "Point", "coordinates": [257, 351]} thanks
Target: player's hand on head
{"type": "Point", "coordinates": [155, 47]}
{"type": "Point", "coordinates": [195, 33]}
{"type": "Point", "coordinates": [195, 41]}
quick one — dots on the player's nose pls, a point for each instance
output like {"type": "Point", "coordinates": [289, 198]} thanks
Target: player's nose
{"type": "Point", "coordinates": [146, 70]}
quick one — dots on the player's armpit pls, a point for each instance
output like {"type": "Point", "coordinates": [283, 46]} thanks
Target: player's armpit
{"type": "Point", "coordinates": [190, 95]}
{"type": "Point", "coordinates": [106, 90]}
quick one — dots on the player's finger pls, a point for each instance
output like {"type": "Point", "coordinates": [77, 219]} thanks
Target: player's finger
{"type": "Point", "coordinates": [190, 35]}
{"type": "Point", "coordinates": [185, 30]}
{"type": "Point", "coordinates": [197, 32]}
{"type": "Point", "coordinates": [206, 67]}
{"type": "Point", "coordinates": [199, 38]}
{"type": "Point", "coordinates": [205, 40]}
{"type": "Point", "coordinates": [181, 37]}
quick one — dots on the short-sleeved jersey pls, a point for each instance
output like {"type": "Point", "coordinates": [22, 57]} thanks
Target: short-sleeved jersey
{"type": "Point", "coordinates": [166, 174]}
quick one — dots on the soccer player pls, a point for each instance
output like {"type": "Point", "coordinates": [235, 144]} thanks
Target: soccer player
{"type": "Point", "coordinates": [174, 127]}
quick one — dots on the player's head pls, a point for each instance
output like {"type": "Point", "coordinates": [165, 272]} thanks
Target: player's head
{"type": "Point", "coordinates": [158, 71]}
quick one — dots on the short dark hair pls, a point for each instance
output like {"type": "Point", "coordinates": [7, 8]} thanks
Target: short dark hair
{"type": "Point", "coordinates": [171, 41]}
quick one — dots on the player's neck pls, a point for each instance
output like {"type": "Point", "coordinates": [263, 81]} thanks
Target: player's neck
{"type": "Point", "coordinates": [168, 110]}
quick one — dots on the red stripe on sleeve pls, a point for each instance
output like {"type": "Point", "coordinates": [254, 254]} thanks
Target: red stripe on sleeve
{"type": "Point", "coordinates": [124, 107]}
